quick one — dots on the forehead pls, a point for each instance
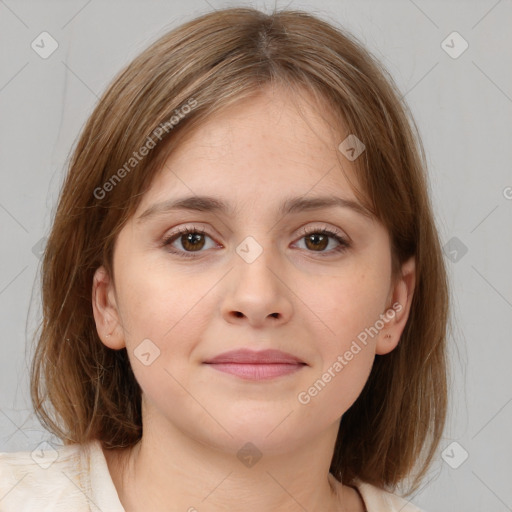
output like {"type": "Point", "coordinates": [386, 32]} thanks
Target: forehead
{"type": "Point", "coordinates": [259, 150]}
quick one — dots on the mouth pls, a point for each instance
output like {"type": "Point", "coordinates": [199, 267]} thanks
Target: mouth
{"type": "Point", "coordinates": [251, 365]}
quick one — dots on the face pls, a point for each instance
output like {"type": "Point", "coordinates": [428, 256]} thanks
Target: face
{"type": "Point", "coordinates": [195, 282]}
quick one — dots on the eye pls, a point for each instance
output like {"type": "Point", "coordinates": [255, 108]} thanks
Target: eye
{"type": "Point", "coordinates": [191, 239]}
{"type": "Point", "coordinates": [318, 240]}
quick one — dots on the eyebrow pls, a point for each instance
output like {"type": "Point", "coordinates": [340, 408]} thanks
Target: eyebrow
{"type": "Point", "coordinates": [215, 205]}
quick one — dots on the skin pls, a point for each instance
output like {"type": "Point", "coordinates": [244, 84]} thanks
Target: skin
{"type": "Point", "coordinates": [253, 155]}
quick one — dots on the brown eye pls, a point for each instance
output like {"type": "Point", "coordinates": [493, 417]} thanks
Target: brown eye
{"type": "Point", "coordinates": [317, 241]}
{"type": "Point", "coordinates": [192, 241]}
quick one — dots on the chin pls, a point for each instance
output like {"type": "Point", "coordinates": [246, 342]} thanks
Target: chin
{"type": "Point", "coordinates": [263, 433]}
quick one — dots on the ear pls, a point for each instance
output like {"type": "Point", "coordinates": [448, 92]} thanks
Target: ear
{"type": "Point", "coordinates": [395, 317]}
{"type": "Point", "coordinates": [105, 310]}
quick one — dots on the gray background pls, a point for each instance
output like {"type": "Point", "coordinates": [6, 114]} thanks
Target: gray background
{"type": "Point", "coordinates": [463, 109]}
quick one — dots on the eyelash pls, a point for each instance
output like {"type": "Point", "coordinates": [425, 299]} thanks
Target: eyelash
{"type": "Point", "coordinates": [344, 244]}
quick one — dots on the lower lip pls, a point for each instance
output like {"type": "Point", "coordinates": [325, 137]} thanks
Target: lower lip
{"type": "Point", "coordinates": [257, 371]}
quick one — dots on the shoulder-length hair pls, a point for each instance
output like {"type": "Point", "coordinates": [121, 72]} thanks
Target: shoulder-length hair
{"type": "Point", "coordinates": [82, 390]}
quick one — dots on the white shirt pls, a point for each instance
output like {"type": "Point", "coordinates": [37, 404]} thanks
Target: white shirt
{"type": "Point", "coordinates": [76, 478]}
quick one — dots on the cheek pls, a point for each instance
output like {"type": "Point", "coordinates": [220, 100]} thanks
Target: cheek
{"type": "Point", "coordinates": [163, 320]}
{"type": "Point", "coordinates": [159, 304]}
{"type": "Point", "coordinates": [347, 358]}
{"type": "Point", "coordinates": [350, 312]}
{"type": "Point", "coordinates": [164, 317]}
{"type": "Point", "coordinates": [332, 393]}
{"type": "Point", "coordinates": [348, 305]}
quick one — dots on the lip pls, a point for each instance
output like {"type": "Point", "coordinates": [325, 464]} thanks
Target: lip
{"type": "Point", "coordinates": [256, 365]}
{"type": "Point", "coordinates": [246, 356]}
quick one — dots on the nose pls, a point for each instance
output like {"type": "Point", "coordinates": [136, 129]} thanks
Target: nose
{"type": "Point", "coordinates": [257, 293]}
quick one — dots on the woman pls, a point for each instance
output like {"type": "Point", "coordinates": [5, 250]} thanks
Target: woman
{"type": "Point", "coordinates": [245, 302]}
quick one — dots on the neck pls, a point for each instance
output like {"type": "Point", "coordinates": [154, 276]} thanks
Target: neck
{"type": "Point", "coordinates": [179, 473]}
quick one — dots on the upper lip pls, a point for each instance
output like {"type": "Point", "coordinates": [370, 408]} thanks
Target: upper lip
{"type": "Point", "coordinates": [246, 356]}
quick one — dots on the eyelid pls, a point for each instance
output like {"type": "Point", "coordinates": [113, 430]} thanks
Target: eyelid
{"type": "Point", "coordinates": [307, 229]}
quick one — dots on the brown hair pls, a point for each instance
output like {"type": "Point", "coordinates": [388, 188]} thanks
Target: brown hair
{"type": "Point", "coordinates": [82, 390]}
